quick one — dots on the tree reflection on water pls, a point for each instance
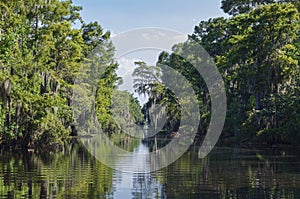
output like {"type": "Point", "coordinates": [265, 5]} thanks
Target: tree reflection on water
{"type": "Point", "coordinates": [225, 173]}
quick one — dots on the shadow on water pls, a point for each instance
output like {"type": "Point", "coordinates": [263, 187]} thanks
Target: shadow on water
{"type": "Point", "coordinates": [225, 173]}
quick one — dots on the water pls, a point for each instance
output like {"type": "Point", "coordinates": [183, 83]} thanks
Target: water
{"type": "Point", "coordinates": [225, 173]}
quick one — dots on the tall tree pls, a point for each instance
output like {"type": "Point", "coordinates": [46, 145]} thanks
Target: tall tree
{"type": "Point", "coordinates": [235, 7]}
{"type": "Point", "coordinates": [41, 53]}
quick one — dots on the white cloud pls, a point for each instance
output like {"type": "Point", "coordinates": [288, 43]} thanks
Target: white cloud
{"type": "Point", "coordinates": [126, 68]}
{"type": "Point", "coordinates": [112, 34]}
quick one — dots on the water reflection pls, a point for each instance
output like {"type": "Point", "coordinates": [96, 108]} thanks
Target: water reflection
{"type": "Point", "coordinates": [136, 185]}
{"type": "Point", "coordinates": [133, 185]}
{"type": "Point", "coordinates": [225, 173]}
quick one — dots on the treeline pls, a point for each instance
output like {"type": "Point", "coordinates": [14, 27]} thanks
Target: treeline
{"type": "Point", "coordinates": [257, 51]}
{"type": "Point", "coordinates": [41, 53]}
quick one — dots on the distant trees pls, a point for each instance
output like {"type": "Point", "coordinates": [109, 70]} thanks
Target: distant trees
{"type": "Point", "coordinates": [150, 81]}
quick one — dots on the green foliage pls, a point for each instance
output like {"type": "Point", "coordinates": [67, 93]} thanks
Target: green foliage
{"type": "Point", "coordinates": [52, 132]}
{"type": "Point", "coordinates": [235, 7]}
{"type": "Point", "coordinates": [40, 56]}
{"type": "Point", "coordinates": [135, 110]}
{"type": "Point", "coordinates": [257, 52]}
{"type": "Point", "coordinates": [150, 80]}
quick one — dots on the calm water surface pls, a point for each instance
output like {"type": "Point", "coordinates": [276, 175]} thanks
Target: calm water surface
{"type": "Point", "coordinates": [225, 173]}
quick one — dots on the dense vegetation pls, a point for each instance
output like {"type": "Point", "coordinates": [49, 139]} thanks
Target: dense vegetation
{"type": "Point", "coordinates": [41, 54]}
{"type": "Point", "coordinates": [256, 49]}
{"type": "Point", "coordinates": [257, 52]}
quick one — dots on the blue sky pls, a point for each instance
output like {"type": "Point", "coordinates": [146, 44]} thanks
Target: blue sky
{"type": "Point", "coordinates": [122, 15]}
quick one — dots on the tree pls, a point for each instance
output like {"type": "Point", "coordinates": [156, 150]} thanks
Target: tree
{"type": "Point", "coordinates": [41, 53]}
{"type": "Point", "coordinates": [257, 53]}
{"type": "Point", "coordinates": [235, 7]}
